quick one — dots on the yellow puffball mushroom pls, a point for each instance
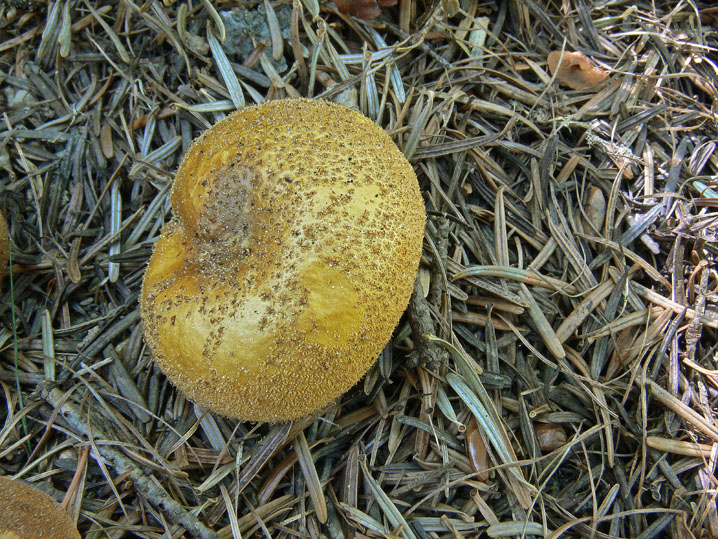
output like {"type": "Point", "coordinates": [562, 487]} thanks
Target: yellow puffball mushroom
{"type": "Point", "coordinates": [295, 242]}
{"type": "Point", "coordinates": [28, 513]}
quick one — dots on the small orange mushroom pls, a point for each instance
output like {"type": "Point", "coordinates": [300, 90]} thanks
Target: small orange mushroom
{"type": "Point", "coordinates": [27, 512]}
{"type": "Point", "coordinates": [575, 70]}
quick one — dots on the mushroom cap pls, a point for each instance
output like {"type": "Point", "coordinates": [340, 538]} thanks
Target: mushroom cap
{"type": "Point", "coordinates": [27, 512]}
{"type": "Point", "coordinates": [4, 246]}
{"type": "Point", "coordinates": [293, 250]}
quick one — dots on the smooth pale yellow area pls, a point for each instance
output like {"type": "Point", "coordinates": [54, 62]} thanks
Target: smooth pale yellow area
{"type": "Point", "coordinates": [169, 259]}
{"type": "Point", "coordinates": [333, 311]}
{"type": "Point", "coordinates": [26, 513]}
{"type": "Point", "coordinates": [234, 349]}
{"type": "Point", "coordinates": [291, 256]}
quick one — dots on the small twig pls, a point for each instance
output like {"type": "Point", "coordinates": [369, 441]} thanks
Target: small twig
{"type": "Point", "coordinates": [148, 486]}
{"type": "Point", "coordinates": [419, 313]}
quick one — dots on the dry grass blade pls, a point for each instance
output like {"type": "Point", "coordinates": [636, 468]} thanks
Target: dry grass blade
{"type": "Point", "coordinates": [363, 520]}
{"type": "Point", "coordinates": [500, 235]}
{"type": "Point", "coordinates": [545, 331]}
{"type": "Point", "coordinates": [274, 31]}
{"type": "Point", "coordinates": [225, 70]}
{"type": "Point", "coordinates": [516, 274]}
{"type": "Point", "coordinates": [494, 431]}
{"type": "Point", "coordinates": [478, 319]}
{"type": "Point", "coordinates": [126, 385]}
{"type": "Point", "coordinates": [313, 7]}
{"type": "Point", "coordinates": [482, 406]}
{"type": "Point", "coordinates": [680, 408]}
{"type": "Point", "coordinates": [234, 525]}
{"type": "Point", "coordinates": [314, 486]}
{"type": "Point", "coordinates": [271, 443]}
{"type": "Point", "coordinates": [121, 51]}
{"type": "Point", "coordinates": [418, 124]}
{"type": "Point", "coordinates": [272, 481]}
{"type": "Point", "coordinates": [248, 522]}
{"type": "Point", "coordinates": [216, 19]}
{"type": "Point", "coordinates": [667, 303]}
{"type": "Point", "coordinates": [48, 345]}
{"type": "Point", "coordinates": [689, 449]}
{"type": "Point", "coordinates": [624, 322]}
{"type": "Point", "coordinates": [583, 310]}
{"type": "Point", "coordinates": [570, 250]}
{"type": "Point", "coordinates": [388, 508]}
{"type": "Point", "coordinates": [504, 529]}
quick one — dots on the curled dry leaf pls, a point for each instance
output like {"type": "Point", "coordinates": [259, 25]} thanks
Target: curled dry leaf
{"type": "Point", "coordinates": [476, 450]}
{"type": "Point", "coordinates": [575, 70]}
{"type": "Point", "coordinates": [363, 9]}
{"type": "Point", "coordinates": [595, 208]}
{"type": "Point", "coordinates": [550, 436]}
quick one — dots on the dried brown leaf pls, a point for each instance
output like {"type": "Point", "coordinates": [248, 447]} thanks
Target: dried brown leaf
{"type": "Point", "coordinates": [575, 70]}
{"type": "Point", "coordinates": [363, 9]}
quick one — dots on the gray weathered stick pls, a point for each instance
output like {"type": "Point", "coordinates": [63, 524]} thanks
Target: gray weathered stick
{"type": "Point", "coordinates": [144, 484]}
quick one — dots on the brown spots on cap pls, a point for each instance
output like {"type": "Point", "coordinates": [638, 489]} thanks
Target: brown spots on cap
{"type": "Point", "coordinates": [296, 239]}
